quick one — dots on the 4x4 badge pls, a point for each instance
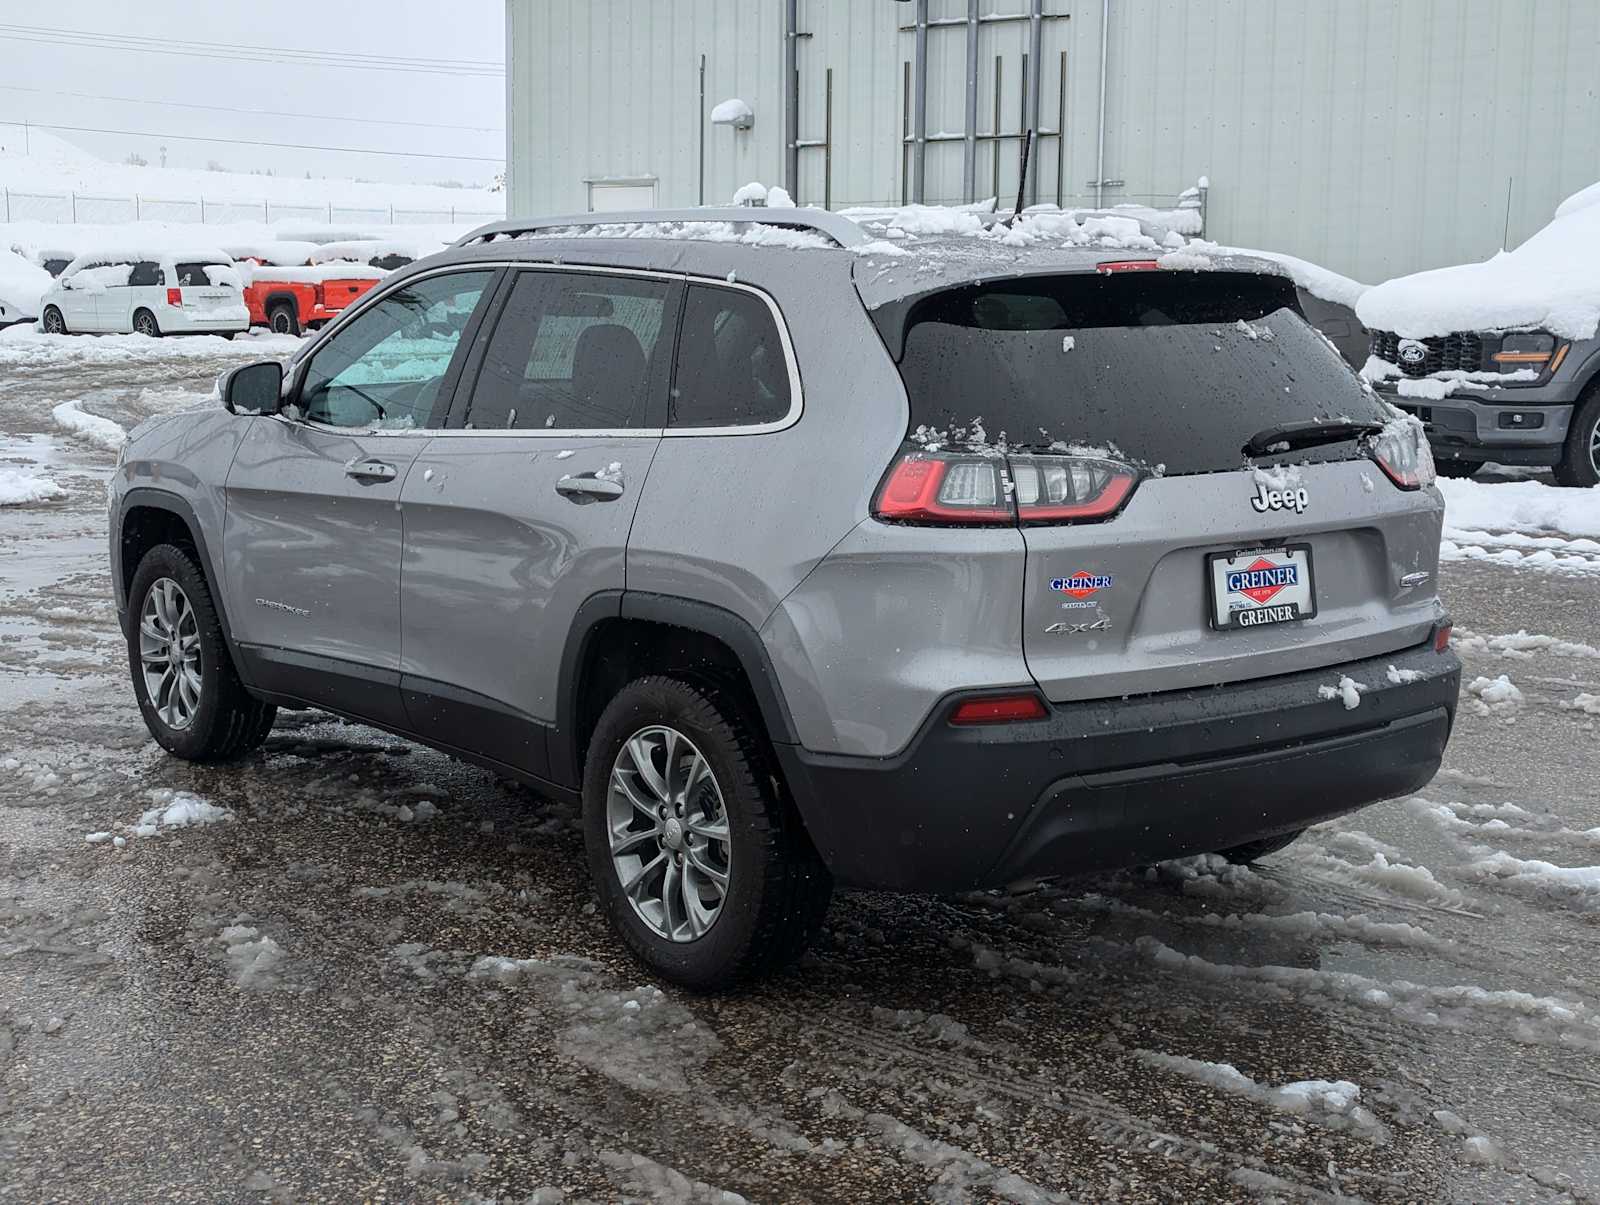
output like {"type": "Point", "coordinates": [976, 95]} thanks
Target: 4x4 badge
{"type": "Point", "coordinates": [1078, 629]}
{"type": "Point", "coordinates": [1296, 499]}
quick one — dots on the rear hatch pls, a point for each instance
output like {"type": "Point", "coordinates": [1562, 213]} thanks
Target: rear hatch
{"type": "Point", "coordinates": [207, 285]}
{"type": "Point", "coordinates": [1108, 413]}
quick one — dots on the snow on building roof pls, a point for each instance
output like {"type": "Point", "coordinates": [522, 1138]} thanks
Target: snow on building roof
{"type": "Point", "coordinates": [1551, 282]}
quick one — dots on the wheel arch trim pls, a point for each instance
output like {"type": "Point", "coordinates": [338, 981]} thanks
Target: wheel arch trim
{"type": "Point", "coordinates": [703, 618]}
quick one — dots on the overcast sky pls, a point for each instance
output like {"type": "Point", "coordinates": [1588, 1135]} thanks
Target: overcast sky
{"type": "Point", "coordinates": [55, 78]}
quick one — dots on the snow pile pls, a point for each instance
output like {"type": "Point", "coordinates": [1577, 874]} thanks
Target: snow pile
{"type": "Point", "coordinates": [1332, 1104]}
{"type": "Point", "coordinates": [21, 286]}
{"type": "Point", "coordinates": [1520, 645]}
{"type": "Point", "coordinates": [1349, 691]}
{"type": "Point", "coordinates": [252, 956]}
{"type": "Point", "coordinates": [1494, 694]}
{"type": "Point", "coordinates": [1585, 702]}
{"type": "Point", "coordinates": [1551, 282]}
{"type": "Point", "coordinates": [22, 347]}
{"type": "Point", "coordinates": [176, 809]}
{"type": "Point", "coordinates": [102, 432]}
{"type": "Point", "coordinates": [1529, 506]}
{"type": "Point", "coordinates": [18, 488]}
{"type": "Point", "coordinates": [1402, 677]}
{"type": "Point", "coordinates": [1576, 887]}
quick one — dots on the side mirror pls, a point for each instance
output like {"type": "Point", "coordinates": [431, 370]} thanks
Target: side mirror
{"type": "Point", "coordinates": [253, 388]}
{"type": "Point", "coordinates": [68, 282]}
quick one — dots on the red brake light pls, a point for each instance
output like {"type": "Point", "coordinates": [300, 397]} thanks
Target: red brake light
{"type": "Point", "coordinates": [1441, 637]}
{"type": "Point", "coordinates": [972, 488]}
{"type": "Point", "coordinates": [174, 296]}
{"type": "Point", "coordinates": [321, 298]}
{"type": "Point", "coordinates": [1126, 265]}
{"type": "Point", "coordinates": [938, 487]}
{"type": "Point", "coordinates": [1009, 709]}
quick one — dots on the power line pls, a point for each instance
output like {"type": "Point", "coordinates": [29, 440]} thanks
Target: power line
{"type": "Point", "coordinates": [175, 104]}
{"type": "Point", "coordinates": [288, 146]}
{"type": "Point", "coordinates": [254, 54]}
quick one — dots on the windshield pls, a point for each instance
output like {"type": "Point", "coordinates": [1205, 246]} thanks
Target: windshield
{"type": "Point", "coordinates": [1174, 370]}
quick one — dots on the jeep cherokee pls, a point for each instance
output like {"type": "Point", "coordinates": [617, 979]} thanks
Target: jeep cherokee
{"type": "Point", "coordinates": [799, 558]}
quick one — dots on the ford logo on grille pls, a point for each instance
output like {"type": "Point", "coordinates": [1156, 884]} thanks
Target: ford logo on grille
{"type": "Point", "coordinates": [1412, 352]}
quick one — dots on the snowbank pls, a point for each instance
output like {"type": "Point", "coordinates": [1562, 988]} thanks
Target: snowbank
{"type": "Point", "coordinates": [102, 432]}
{"type": "Point", "coordinates": [18, 488]}
{"type": "Point", "coordinates": [1529, 506]}
{"type": "Point", "coordinates": [1552, 282]}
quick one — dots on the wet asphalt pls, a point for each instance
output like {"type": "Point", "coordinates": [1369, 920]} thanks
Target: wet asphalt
{"type": "Point", "coordinates": [383, 977]}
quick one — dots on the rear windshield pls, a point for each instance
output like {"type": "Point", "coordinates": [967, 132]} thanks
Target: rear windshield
{"type": "Point", "coordinates": [198, 274]}
{"type": "Point", "coordinates": [1173, 370]}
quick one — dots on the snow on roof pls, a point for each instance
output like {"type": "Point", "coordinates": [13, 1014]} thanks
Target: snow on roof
{"type": "Point", "coordinates": [362, 250]}
{"type": "Point", "coordinates": [313, 273]}
{"type": "Point", "coordinates": [133, 253]}
{"type": "Point", "coordinates": [277, 252]}
{"type": "Point", "coordinates": [1313, 278]}
{"type": "Point", "coordinates": [1551, 282]}
{"type": "Point", "coordinates": [732, 111]}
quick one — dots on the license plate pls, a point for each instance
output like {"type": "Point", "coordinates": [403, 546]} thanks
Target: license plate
{"type": "Point", "coordinates": [1261, 586]}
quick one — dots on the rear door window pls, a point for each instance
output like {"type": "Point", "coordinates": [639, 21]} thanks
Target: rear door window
{"type": "Point", "coordinates": [577, 351]}
{"type": "Point", "coordinates": [145, 273]}
{"type": "Point", "coordinates": [1174, 370]}
{"type": "Point", "coordinates": [731, 366]}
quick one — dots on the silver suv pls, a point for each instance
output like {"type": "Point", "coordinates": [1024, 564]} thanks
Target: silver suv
{"type": "Point", "coordinates": [800, 557]}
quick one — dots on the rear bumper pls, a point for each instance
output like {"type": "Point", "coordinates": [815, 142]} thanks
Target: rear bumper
{"type": "Point", "coordinates": [175, 320]}
{"type": "Point", "coordinates": [1105, 784]}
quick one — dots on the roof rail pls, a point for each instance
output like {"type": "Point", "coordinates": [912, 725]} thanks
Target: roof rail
{"type": "Point", "coordinates": [840, 229]}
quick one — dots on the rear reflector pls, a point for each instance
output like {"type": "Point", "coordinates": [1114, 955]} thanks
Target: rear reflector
{"type": "Point", "coordinates": [1008, 709]}
{"type": "Point", "coordinates": [1126, 265]}
{"type": "Point", "coordinates": [1441, 637]}
{"type": "Point", "coordinates": [174, 296]}
{"type": "Point", "coordinates": [985, 488]}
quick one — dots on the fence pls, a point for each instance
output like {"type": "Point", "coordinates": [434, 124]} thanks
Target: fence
{"type": "Point", "coordinates": [78, 207]}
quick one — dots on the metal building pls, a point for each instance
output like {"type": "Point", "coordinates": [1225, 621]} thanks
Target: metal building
{"type": "Point", "coordinates": [1375, 137]}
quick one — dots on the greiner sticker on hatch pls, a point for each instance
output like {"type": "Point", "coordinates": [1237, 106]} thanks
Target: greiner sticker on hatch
{"type": "Point", "coordinates": [1261, 586]}
{"type": "Point", "coordinates": [1081, 587]}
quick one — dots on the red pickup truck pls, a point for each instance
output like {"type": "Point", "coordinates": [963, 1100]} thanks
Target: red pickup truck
{"type": "Point", "coordinates": [292, 299]}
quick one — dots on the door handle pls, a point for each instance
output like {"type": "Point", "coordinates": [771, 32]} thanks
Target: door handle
{"type": "Point", "coordinates": [587, 487]}
{"type": "Point", "coordinates": [371, 470]}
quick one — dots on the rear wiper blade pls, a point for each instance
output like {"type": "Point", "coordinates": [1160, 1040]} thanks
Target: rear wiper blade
{"type": "Point", "coordinates": [1306, 434]}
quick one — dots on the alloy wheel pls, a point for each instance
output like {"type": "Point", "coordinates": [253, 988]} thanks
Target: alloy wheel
{"type": "Point", "coordinates": [668, 829]}
{"type": "Point", "coordinates": [1594, 447]}
{"type": "Point", "coordinates": [144, 324]}
{"type": "Point", "coordinates": [169, 654]}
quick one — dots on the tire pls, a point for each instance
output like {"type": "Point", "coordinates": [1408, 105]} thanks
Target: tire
{"type": "Point", "coordinates": [1253, 851]}
{"type": "Point", "coordinates": [220, 720]}
{"type": "Point", "coordinates": [144, 323]}
{"type": "Point", "coordinates": [775, 890]}
{"type": "Point", "coordinates": [54, 323]}
{"type": "Point", "coordinates": [1457, 468]}
{"type": "Point", "coordinates": [283, 320]}
{"type": "Point", "coordinates": [1580, 461]}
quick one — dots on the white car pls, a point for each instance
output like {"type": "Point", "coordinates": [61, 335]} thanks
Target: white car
{"type": "Point", "coordinates": [112, 292]}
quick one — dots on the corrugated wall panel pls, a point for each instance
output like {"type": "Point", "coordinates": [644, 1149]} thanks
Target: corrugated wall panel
{"type": "Point", "coordinates": [1374, 136]}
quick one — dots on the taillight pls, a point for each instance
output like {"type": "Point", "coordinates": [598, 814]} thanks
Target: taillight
{"type": "Point", "coordinates": [321, 298]}
{"type": "Point", "coordinates": [1070, 489]}
{"type": "Point", "coordinates": [174, 296]}
{"type": "Point", "coordinates": [1006, 709]}
{"type": "Point", "coordinates": [1441, 637]}
{"type": "Point", "coordinates": [1401, 451]}
{"type": "Point", "coordinates": [986, 489]}
{"type": "Point", "coordinates": [946, 488]}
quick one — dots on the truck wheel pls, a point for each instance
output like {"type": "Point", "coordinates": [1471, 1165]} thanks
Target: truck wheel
{"type": "Point", "coordinates": [703, 867]}
{"type": "Point", "coordinates": [283, 319]}
{"type": "Point", "coordinates": [1580, 462]}
{"type": "Point", "coordinates": [54, 323]}
{"type": "Point", "coordinates": [183, 678]}
{"type": "Point", "coordinates": [1252, 851]}
{"type": "Point", "coordinates": [144, 323]}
